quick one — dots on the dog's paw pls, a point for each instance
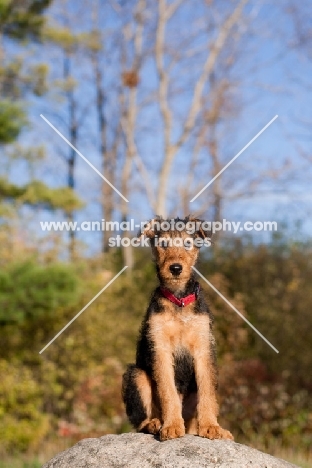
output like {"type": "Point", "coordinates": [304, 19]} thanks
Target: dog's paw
{"type": "Point", "coordinates": [172, 431]}
{"type": "Point", "coordinates": [214, 432]}
{"type": "Point", "coordinates": [152, 427]}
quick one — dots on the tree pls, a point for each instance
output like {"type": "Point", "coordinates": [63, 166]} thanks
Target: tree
{"type": "Point", "coordinates": [22, 20]}
{"type": "Point", "coordinates": [19, 23]}
{"type": "Point", "coordinates": [109, 128]}
{"type": "Point", "coordinates": [166, 58]}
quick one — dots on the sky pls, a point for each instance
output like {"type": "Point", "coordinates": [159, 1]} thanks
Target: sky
{"type": "Point", "coordinates": [272, 76]}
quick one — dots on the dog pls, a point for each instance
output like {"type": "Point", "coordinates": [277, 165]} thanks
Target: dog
{"type": "Point", "coordinates": [170, 391]}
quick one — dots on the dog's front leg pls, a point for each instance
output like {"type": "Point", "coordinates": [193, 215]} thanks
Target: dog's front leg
{"type": "Point", "coordinates": [207, 407]}
{"type": "Point", "coordinates": [171, 406]}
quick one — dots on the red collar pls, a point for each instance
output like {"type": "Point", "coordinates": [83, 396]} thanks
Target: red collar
{"type": "Point", "coordinates": [184, 301]}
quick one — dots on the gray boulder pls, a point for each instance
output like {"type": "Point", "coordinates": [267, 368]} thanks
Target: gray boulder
{"type": "Point", "coordinates": [145, 451]}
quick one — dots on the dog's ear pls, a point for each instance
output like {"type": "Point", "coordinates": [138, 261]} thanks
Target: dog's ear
{"type": "Point", "coordinates": [203, 228]}
{"type": "Point", "coordinates": [149, 229]}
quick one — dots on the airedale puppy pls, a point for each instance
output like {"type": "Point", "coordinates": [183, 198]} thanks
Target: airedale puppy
{"type": "Point", "coordinates": [171, 389]}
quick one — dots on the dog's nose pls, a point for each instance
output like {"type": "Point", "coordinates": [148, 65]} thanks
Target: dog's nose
{"type": "Point", "coordinates": [175, 268]}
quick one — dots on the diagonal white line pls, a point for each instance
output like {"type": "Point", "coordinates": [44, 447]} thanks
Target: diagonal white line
{"type": "Point", "coordinates": [235, 157]}
{"type": "Point", "coordinates": [237, 311]}
{"type": "Point", "coordinates": [83, 157]}
{"type": "Point", "coordinates": [85, 307]}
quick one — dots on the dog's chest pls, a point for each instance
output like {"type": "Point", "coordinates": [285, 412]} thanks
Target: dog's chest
{"type": "Point", "coordinates": [176, 328]}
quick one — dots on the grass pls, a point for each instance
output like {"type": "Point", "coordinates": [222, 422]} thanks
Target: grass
{"type": "Point", "coordinates": [301, 459]}
{"type": "Point", "coordinates": [35, 459]}
{"type": "Point", "coordinates": [20, 464]}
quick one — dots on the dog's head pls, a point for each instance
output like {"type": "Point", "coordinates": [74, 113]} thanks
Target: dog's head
{"type": "Point", "coordinates": [175, 245]}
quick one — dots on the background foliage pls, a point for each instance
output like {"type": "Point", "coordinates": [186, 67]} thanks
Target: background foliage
{"type": "Point", "coordinates": [73, 390]}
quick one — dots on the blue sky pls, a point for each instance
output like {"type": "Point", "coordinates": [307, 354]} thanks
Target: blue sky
{"type": "Point", "coordinates": [270, 73]}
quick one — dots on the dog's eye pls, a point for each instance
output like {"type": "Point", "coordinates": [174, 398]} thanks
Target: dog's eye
{"type": "Point", "coordinates": [163, 244]}
{"type": "Point", "coordinates": [188, 244]}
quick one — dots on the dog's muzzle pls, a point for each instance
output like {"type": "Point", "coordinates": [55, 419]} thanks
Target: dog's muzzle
{"type": "Point", "coordinates": [175, 269]}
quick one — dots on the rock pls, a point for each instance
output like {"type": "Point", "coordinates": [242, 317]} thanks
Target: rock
{"type": "Point", "coordinates": [145, 451]}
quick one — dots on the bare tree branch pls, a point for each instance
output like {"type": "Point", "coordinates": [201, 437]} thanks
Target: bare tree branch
{"type": "Point", "coordinates": [208, 68]}
{"type": "Point", "coordinates": [171, 148]}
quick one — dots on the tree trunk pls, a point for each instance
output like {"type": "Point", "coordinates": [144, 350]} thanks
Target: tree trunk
{"type": "Point", "coordinates": [71, 162]}
{"type": "Point", "coordinates": [108, 161]}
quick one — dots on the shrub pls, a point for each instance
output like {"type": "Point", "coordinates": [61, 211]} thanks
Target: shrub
{"type": "Point", "coordinates": [28, 290]}
{"type": "Point", "coordinates": [22, 423]}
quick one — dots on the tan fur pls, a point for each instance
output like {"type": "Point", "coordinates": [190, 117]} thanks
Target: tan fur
{"type": "Point", "coordinates": [165, 257]}
{"type": "Point", "coordinates": [144, 386]}
{"type": "Point", "coordinates": [172, 330]}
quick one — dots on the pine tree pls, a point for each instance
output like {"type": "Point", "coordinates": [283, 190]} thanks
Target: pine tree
{"type": "Point", "coordinates": [20, 22]}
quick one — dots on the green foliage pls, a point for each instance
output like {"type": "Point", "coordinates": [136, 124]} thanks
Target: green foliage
{"type": "Point", "coordinates": [37, 194]}
{"type": "Point", "coordinates": [8, 190]}
{"type": "Point", "coordinates": [28, 291]}
{"type": "Point", "coordinates": [22, 423]}
{"type": "Point", "coordinates": [275, 282]}
{"type": "Point", "coordinates": [61, 36]}
{"type": "Point", "coordinates": [21, 20]}
{"type": "Point", "coordinates": [38, 78]}
{"type": "Point", "coordinates": [12, 119]}
{"type": "Point", "coordinates": [10, 74]}
{"type": "Point", "coordinates": [18, 77]}
{"type": "Point", "coordinates": [18, 152]}
{"type": "Point", "coordinates": [64, 37]}
{"type": "Point", "coordinates": [80, 373]}
{"type": "Point", "coordinates": [17, 463]}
